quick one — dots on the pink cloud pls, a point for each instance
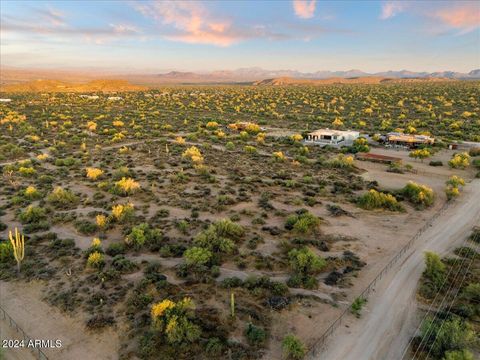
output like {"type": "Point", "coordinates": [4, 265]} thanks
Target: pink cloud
{"type": "Point", "coordinates": [392, 8]}
{"type": "Point", "coordinates": [465, 16]}
{"type": "Point", "coordinates": [304, 9]}
{"type": "Point", "coordinates": [194, 24]}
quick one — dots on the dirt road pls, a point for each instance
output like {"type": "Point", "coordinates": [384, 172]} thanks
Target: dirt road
{"type": "Point", "coordinates": [389, 318]}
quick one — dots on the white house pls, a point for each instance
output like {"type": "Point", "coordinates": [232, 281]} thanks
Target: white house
{"type": "Point", "coordinates": [5, 100]}
{"type": "Point", "coordinates": [337, 138]}
{"type": "Point", "coordinates": [114, 98]}
{"type": "Point", "coordinates": [90, 97]}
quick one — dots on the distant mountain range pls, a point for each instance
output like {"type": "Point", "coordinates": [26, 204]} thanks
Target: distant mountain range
{"type": "Point", "coordinates": [255, 74]}
{"type": "Point", "coordinates": [12, 75]}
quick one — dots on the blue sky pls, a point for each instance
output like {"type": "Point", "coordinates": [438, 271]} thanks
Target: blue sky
{"type": "Point", "coordinates": [223, 35]}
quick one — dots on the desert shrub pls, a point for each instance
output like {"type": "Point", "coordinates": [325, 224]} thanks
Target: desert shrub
{"type": "Point", "coordinates": [472, 292]}
{"type": "Point", "coordinates": [96, 260]}
{"type": "Point", "coordinates": [466, 252]}
{"type": "Point", "coordinates": [93, 173]}
{"type": "Point", "coordinates": [435, 163]}
{"type": "Point", "coordinates": [125, 186]}
{"type": "Point", "coordinates": [143, 234]}
{"type": "Point", "coordinates": [123, 212]}
{"type": "Point", "coordinates": [220, 237]}
{"type": "Point", "coordinates": [62, 198]}
{"type": "Point", "coordinates": [444, 335]}
{"type": "Point", "coordinates": [31, 193]}
{"type": "Point", "coordinates": [420, 154]}
{"type": "Point", "coordinates": [342, 162]}
{"type": "Point", "coordinates": [123, 265]}
{"type": "Point", "coordinates": [463, 354]}
{"type": "Point", "coordinates": [302, 222]}
{"type": "Point", "coordinates": [32, 214]}
{"type": "Point", "coordinates": [293, 348]}
{"type": "Point", "coordinates": [357, 306]}
{"type": "Point", "coordinates": [255, 335]}
{"type": "Point", "coordinates": [360, 145]}
{"type": "Point", "coordinates": [434, 270]}
{"type": "Point", "coordinates": [197, 256]}
{"type": "Point", "coordinates": [85, 227]}
{"type": "Point", "coordinates": [305, 262]}
{"type": "Point", "coordinates": [474, 151]}
{"type": "Point", "coordinates": [174, 321]}
{"type": "Point", "coordinates": [116, 249]}
{"type": "Point", "coordinates": [417, 194]}
{"type": "Point", "coordinates": [6, 252]}
{"type": "Point", "coordinates": [460, 161]}
{"type": "Point", "coordinates": [374, 199]}
{"type": "Point", "coordinates": [214, 347]}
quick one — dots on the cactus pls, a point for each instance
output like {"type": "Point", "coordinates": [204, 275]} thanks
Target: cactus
{"type": "Point", "coordinates": [18, 244]}
{"type": "Point", "coordinates": [232, 304]}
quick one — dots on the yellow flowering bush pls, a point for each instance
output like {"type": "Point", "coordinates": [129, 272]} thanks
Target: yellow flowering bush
{"type": "Point", "coordinates": [279, 156]}
{"type": "Point", "coordinates": [42, 157]}
{"type": "Point", "coordinates": [122, 212]}
{"type": "Point", "coordinates": [460, 161]}
{"type": "Point", "coordinates": [126, 186]}
{"type": "Point", "coordinates": [212, 125]}
{"type": "Point", "coordinates": [101, 221]}
{"type": "Point", "coordinates": [93, 173]}
{"type": "Point", "coordinates": [180, 140]}
{"type": "Point", "coordinates": [194, 154]}
{"type": "Point", "coordinates": [174, 320]}
{"type": "Point", "coordinates": [91, 126]}
{"type": "Point", "coordinates": [95, 260]}
{"type": "Point", "coordinates": [31, 192]}
{"type": "Point", "coordinates": [296, 137]}
{"type": "Point", "coordinates": [418, 194]}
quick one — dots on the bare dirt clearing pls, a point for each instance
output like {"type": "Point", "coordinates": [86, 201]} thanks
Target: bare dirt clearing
{"type": "Point", "coordinates": [23, 301]}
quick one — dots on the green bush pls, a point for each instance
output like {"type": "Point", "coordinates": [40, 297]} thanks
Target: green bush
{"type": "Point", "coordinates": [62, 198]}
{"type": "Point", "coordinates": [293, 348]}
{"type": "Point", "coordinates": [32, 214]}
{"type": "Point", "coordinates": [434, 270]}
{"type": "Point", "coordinates": [302, 223]}
{"type": "Point", "coordinates": [305, 262]}
{"type": "Point", "coordinates": [143, 234]}
{"type": "Point", "coordinates": [197, 256]}
{"type": "Point", "coordinates": [255, 335]}
{"type": "Point", "coordinates": [6, 252]}
{"type": "Point", "coordinates": [357, 306]}
{"type": "Point", "coordinates": [444, 335]}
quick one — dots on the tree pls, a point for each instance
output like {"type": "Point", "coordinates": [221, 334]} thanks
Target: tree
{"type": "Point", "coordinates": [420, 154]}
{"type": "Point", "coordinates": [444, 335]}
{"type": "Point", "coordinates": [463, 354]}
{"type": "Point", "coordinates": [435, 269]}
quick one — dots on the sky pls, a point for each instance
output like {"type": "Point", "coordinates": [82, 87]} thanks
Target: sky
{"type": "Point", "coordinates": [308, 36]}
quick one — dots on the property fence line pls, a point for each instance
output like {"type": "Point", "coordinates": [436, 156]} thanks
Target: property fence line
{"type": "Point", "coordinates": [37, 352]}
{"type": "Point", "coordinates": [321, 342]}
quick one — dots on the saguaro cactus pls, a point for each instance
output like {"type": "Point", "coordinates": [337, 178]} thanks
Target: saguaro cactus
{"type": "Point", "coordinates": [232, 304]}
{"type": "Point", "coordinates": [18, 244]}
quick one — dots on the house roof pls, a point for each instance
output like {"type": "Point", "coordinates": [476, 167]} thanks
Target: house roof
{"type": "Point", "coordinates": [409, 138]}
{"type": "Point", "coordinates": [330, 132]}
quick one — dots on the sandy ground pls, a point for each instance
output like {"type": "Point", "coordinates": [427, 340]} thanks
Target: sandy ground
{"type": "Point", "coordinates": [40, 321]}
{"type": "Point", "coordinates": [389, 317]}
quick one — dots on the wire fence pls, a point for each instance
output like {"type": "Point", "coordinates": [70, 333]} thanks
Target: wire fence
{"type": "Point", "coordinates": [39, 354]}
{"type": "Point", "coordinates": [321, 342]}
